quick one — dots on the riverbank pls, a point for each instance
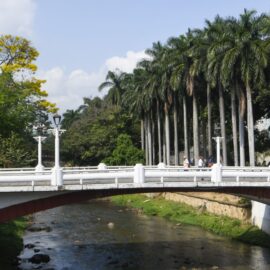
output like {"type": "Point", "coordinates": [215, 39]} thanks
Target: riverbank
{"type": "Point", "coordinates": [182, 213]}
{"type": "Point", "coordinates": [11, 242]}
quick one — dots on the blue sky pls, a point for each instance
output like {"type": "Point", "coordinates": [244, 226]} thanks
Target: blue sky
{"type": "Point", "coordinates": [79, 40]}
{"type": "Point", "coordinates": [83, 33]}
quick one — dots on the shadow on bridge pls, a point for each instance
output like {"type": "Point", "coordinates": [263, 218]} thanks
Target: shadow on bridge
{"type": "Point", "coordinates": [261, 194]}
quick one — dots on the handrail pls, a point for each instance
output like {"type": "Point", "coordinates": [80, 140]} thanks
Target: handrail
{"type": "Point", "coordinates": [138, 175]}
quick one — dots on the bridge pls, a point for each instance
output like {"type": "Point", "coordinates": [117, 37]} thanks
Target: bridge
{"type": "Point", "coordinates": [28, 190]}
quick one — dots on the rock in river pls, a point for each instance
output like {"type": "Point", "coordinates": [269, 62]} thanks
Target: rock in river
{"type": "Point", "coordinates": [39, 258]}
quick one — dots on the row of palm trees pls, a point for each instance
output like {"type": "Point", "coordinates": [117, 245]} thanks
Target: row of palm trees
{"type": "Point", "coordinates": [199, 74]}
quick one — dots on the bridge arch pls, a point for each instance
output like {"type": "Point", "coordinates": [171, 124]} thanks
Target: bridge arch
{"type": "Point", "coordinates": [29, 206]}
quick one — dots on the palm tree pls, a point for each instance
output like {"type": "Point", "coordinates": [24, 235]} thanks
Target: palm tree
{"type": "Point", "coordinates": [113, 83]}
{"type": "Point", "coordinates": [192, 69]}
{"type": "Point", "coordinates": [159, 55]}
{"type": "Point", "coordinates": [134, 100]}
{"type": "Point", "coordinates": [176, 46]}
{"type": "Point", "coordinates": [215, 58]}
{"type": "Point", "coordinates": [247, 55]}
{"type": "Point", "coordinates": [70, 116]}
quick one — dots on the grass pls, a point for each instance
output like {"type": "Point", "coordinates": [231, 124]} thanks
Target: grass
{"type": "Point", "coordinates": [11, 242]}
{"type": "Point", "coordinates": [182, 213]}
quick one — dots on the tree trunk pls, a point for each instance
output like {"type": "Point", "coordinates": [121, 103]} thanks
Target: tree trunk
{"type": "Point", "coordinates": [209, 126]}
{"type": "Point", "coordinates": [149, 139]}
{"type": "Point", "coordinates": [164, 144]}
{"type": "Point", "coordinates": [159, 134]}
{"type": "Point", "coordinates": [195, 129]}
{"type": "Point", "coordinates": [167, 133]}
{"type": "Point", "coordinates": [234, 127]}
{"type": "Point", "coordinates": [241, 113]}
{"type": "Point", "coordinates": [250, 125]}
{"type": "Point", "coordinates": [142, 134]}
{"type": "Point", "coordinates": [146, 141]}
{"type": "Point", "coordinates": [222, 124]}
{"type": "Point", "coordinates": [241, 139]}
{"type": "Point", "coordinates": [175, 116]}
{"type": "Point", "coordinates": [185, 127]}
{"type": "Point", "coordinates": [153, 142]}
{"type": "Point", "coordinates": [203, 128]}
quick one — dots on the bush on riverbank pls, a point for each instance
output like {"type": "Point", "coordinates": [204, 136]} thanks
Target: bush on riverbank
{"type": "Point", "coordinates": [11, 242]}
{"type": "Point", "coordinates": [182, 213]}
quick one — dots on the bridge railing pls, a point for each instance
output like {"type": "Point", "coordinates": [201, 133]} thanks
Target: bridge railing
{"type": "Point", "coordinates": [24, 178]}
{"type": "Point", "coordinates": [246, 174]}
{"type": "Point", "coordinates": [95, 176]}
{"type": "Point", "coordinates": [135, 175]}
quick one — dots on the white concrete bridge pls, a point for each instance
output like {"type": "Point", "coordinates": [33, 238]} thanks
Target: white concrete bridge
{"type": "Point", "coordinates": [27, 190]}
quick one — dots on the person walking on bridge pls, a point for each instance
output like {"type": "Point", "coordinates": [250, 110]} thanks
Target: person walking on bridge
{"type": "Point", "coordinates": [200, 162]}
{"type": "Point", "coordinates": [186, 162]}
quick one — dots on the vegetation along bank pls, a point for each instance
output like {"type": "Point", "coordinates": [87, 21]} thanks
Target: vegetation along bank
{"type": "Point", "coordinates": [182, 213]}
{"type": "Point", "coordinates": [11, 242]}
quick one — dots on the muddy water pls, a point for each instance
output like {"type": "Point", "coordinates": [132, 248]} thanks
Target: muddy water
{"type": "Point", "coordinates": [99, 235]}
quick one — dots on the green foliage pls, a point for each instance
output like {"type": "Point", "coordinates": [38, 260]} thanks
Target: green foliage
{"type": "Point", "coordinates": [22, 101]}
{"type": "Point", "coordinates": [14, 152]}
{"type": "Point", "coordinates": [16, 108]}
{"type": "Point", "coordinates": [125, 152]}
{"type": "Point", "coordinates": [11, 242]}
{"type": "Point", "coordinates": [92, 137]}
{"type": "Point", "coordinates": [182, 213]}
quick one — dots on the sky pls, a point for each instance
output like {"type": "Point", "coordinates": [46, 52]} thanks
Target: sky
{"type": "Point", "coordinates": [80, 40]}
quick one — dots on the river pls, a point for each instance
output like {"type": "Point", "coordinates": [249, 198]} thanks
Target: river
{"type": "Point", "coordinates": [99, 235]}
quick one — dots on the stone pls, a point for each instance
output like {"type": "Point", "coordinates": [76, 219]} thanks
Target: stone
{"type": "Point", "coordinates": [39, 258]}
{"type": "Point", "coordinates": [38, 229]}
{"type": "Point", "coordinates": [110, 225]}
{"type": "Point", "coordinates": [29, 245]}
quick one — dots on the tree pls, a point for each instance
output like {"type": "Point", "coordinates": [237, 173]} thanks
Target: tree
{"type": "Point", "coordinates": [70, 116]}
{"type": "Point", "coordinates": [215, 58]}
{"type": "Point", "coordinates": [14, 152]}
{"type": "Point", "coordinates": [113, 83]}
{"type": "Point", "coordinates": [125, 153]}
{"type": "Point", "coordinates": [93, 136]}
{"type": "Point", "coordinates": [22, 100]}
{"type": "Point", "coordinates": [248, 55]}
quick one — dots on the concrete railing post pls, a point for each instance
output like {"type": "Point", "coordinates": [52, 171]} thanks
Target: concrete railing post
{"type": "Point", "coordinates": [216, 175]}
{"type": "Point", "coordinates": [57, 176]}
{"type": "Point", "coordinates": [161, 165]}
{"type": "Point", "coordinates": [139, 174]}
{"type": "Point", "coordinates": [102, 166]}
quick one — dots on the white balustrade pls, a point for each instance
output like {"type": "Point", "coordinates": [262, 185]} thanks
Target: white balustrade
{"type": "Point", "coordinates": [137, 176]}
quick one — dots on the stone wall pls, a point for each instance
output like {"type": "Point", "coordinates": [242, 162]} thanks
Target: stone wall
{"type": "Point", "coordinates": [216, 203]}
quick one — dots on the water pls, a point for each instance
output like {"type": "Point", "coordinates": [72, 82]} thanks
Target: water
{"type": "Point", "coordinates": [80, 239]}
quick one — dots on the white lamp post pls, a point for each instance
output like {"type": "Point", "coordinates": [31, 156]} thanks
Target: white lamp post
{"type": "Point", "coordinates": [57, 179]}
{"type": "Point", "coordinates": [38, 131]}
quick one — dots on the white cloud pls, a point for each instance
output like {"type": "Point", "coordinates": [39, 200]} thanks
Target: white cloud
{"type": "Point", "coordinates": [127, 63]}
{"type": "Point", "coordinates": [16, 17]}
{"type": "Point", "coordinates": [68, 90]}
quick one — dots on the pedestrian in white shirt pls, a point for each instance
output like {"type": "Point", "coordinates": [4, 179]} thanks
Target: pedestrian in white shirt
{"type": "Point", "coordinates": [186, 163]}
{"type": "Point", "coordinates": [200, 162]}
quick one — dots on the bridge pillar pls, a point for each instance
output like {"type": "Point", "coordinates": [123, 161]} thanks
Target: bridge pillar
{"type": "Point", "coordinates": [139, 174]}
{"type": "Point", "coordinates": [57, 176]}
{"type": "Point", "coordinates": [216, 173]}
